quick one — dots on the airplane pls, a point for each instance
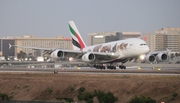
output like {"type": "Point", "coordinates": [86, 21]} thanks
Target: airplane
{"type": "Point", "coordinates": [100, 54]}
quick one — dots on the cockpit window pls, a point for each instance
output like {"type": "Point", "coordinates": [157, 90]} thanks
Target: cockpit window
{"type": "Point", "coordinates": [142, 44]}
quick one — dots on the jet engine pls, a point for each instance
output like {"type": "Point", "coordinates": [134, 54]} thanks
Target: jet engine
{"type": "Point", "coordinates": [88, 57]}
{"type": "Point", "coordinates": [57, 54]}
{"type": "Point", "coordinates": [150, 58]}
{"type": "Point", "coordinates": [161, 57]}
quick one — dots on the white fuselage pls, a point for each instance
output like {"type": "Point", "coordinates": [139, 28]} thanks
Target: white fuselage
{"type": "Point", "coordinates": [128, 48]}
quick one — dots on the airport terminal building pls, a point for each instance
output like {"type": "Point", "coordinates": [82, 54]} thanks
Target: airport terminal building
{"type": "Point", "coordinates": [4, 47]}
{"type": "Point", "coordinates": [31, 41]}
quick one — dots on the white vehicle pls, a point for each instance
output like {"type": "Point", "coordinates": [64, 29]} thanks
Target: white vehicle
{"type": "Point", "coordinates": [106, 53]}
{"type": "Point", "coordinates": [2, 58]}
{"type": "Point", "coordinates": [40, 59]}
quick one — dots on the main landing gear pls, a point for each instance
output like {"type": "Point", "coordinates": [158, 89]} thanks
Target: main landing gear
{"type": "Point", "coordinates": [100, 66]}
{"type": "Point", "coordinates": [112, 67]}
{"type": "Point", "coordinates": [122, 67]}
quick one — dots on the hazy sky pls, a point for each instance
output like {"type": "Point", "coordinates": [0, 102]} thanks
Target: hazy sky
{"type": "Point", "coordinates": [49, 18]}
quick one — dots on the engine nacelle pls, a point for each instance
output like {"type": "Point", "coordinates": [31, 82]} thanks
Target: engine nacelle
{"type": "Point", "coordinates": [88, 57]}
{"type": "Point", "coordinates": [150, 58]}
{"type": "Point", "coordinates": [57, 54]}
{"type": "Point", "coordinates": [161, 57]}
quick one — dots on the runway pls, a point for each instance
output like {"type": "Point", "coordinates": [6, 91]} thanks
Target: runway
{"type": "Point", "coordinates": [61, 67]}
{"type": "Point", "coordinates": [67, 63]}
{"type": "Point", "coordinates": [88, 70]}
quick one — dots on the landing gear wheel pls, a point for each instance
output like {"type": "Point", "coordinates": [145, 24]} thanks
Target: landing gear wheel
{"type": "Point", "coordinates": [122, 67]}
{"type": "Point", "coordinates": [99, 66]}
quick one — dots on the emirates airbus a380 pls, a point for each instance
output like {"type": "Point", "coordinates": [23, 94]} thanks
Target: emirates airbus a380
{"type": "Point", "coordinates": [107, 53]}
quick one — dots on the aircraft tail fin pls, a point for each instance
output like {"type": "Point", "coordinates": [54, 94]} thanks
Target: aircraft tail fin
{"type": "Point", "coordinates": [77, 41]}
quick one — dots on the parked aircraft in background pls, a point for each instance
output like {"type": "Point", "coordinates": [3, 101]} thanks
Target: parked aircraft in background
{"type": "Point", "coordinates": [106, 53]}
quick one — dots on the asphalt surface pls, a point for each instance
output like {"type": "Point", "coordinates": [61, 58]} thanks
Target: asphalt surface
{"type": "Point", "coordinates": [88, 70]}
{"type": "Point", "coordinates": [132, 68]}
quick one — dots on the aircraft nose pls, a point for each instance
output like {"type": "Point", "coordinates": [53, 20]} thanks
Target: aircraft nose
{"type": "Point", "coordinates": [147, 49]}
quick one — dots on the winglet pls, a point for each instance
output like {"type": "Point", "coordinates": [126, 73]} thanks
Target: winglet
{"type": "Point", "coordinates": [10, 46]}
{"type": "Point", "coordinates": [168, 50]}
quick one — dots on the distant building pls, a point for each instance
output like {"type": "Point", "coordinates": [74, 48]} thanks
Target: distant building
{"type": "Point", "coordinates": [150, 39]}
{"type": "Point", "coordinates": [165, 38]}
{"type": "Point", "coordinates": [126, 35]}
{"type": "Point", "coordinates": [31, 41]}
{"type": "Point", "coordinates": [104, 37]}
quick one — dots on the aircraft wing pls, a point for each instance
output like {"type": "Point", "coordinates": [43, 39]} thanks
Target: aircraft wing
{"type": "Point", "coordinates": [57, 53]}
{"type": "Point", "coordinates": [34, 48]}
{"type": "Point", "coordinates": [53, 52]}
{"type": "Point", "coordinates": [158, 56]}
{"type": "Point", "coordinates": [156, 52]}
{"type": "Point", "coordinates": [97, 55]}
